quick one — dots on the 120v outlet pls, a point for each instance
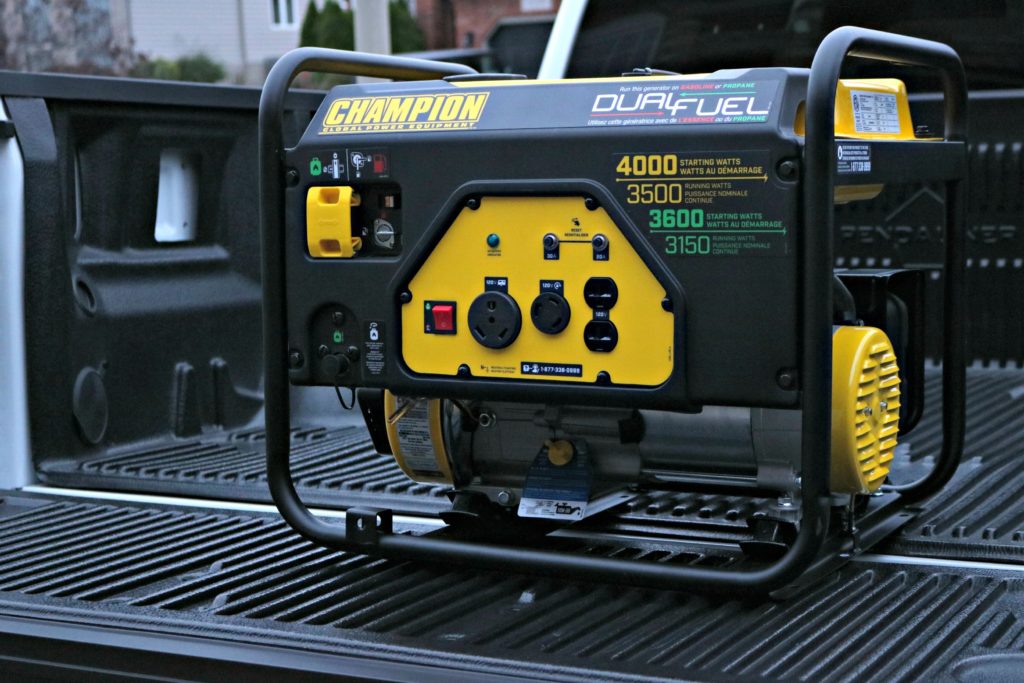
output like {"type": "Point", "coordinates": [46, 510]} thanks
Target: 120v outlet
{"type": "Point", "coordinates": [494, 319]}
{"type": "Point", "coordinates": [601, 293]}
{"type": "Point", "coordinates": [600, 335]}
{"type": "Point", "coordinates": [550, 313]}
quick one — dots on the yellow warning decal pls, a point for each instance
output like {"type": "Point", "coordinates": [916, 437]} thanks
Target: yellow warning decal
{"type": "Point", "coordinates": [404, 113]}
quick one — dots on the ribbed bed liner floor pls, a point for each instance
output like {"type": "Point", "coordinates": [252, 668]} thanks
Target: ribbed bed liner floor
{"type": "Point", "coordinates": [979, 516]}
{"type": "Point", "coordinates": [332, 468]}
{"type": "Point", "coordinates": [245, 577]}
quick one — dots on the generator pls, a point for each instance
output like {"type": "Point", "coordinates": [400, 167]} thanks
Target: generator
{"type": "Point", "coordinates": [549, 296]}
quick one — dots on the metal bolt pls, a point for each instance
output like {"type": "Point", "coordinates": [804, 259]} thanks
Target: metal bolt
{"type": "Point", "coordinates": [291, 177]}
{"type": "Point", "coordinates": [867, 411]}
{"type": "Point", "coordinates": [405, 297]}
{"type": "Point", "coordinates": [294, 359]}
{"type": "Point", "coordinates": [590, 203]}
{"type": "Point", "coordinates": [787, 169]}
{"type": "Point", "coordinates": [666, 304]}
{"type": "Point", "coordinates": [883, 406]}
{"type": "Point", "coordinates": [322, 350]}
{"type": "Point", "coordinates": [473, 204]}
{"type": "Point", "coordinates": [464, 370]}
{"type": "Point", "coordinates": [505, 497]}
{"type": "Point", "coordinates": [786, 379]}
{"type": "Point", "coordinates": [486, 419]}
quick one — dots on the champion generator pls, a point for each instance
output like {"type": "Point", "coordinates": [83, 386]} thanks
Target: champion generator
{"type": "Point", "coordinates": [552, 295]}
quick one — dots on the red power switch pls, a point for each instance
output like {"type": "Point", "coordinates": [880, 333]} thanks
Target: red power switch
{"type": "Point", "coordinates": [444, 317]}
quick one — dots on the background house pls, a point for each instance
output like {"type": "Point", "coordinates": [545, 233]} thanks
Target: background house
{"type": "Point", "coordinates": [468, 23]}
{"type": "Point", "coordinates": [242, 38]}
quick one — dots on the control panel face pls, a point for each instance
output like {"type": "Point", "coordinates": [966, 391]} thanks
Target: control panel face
{"type": "Point", "coordinates": [537, 288]}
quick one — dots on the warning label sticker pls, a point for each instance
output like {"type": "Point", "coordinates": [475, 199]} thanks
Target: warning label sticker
{"type": "Point", "coordinates": [414, 438]}
{"type": "Point", "coordinates": [373, 347]}
{"type": "Point", "coordinates": [705, 203]}
{"type": "Point", "coordinates": [875, 112]}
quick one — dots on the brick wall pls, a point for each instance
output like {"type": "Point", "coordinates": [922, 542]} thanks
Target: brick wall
{"type": "Point", "coordinates": [466, 23]}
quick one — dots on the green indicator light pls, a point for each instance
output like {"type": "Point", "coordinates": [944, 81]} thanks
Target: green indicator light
{"type": "Point", "coordinates": [314, 166]}
{"type": "Point", "coordinates": [493, 240]}
{"type": "Point", "coordinates": [338, 337]}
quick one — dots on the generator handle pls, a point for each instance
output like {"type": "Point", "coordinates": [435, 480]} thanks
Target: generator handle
{"type": "Point", "coordinates": [818, 247]}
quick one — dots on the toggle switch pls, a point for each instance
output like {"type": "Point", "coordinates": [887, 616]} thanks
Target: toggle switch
{"type": "Point", "coordinates": [444, 318]}
{"type": "Point", "coordinates": [439, 317]}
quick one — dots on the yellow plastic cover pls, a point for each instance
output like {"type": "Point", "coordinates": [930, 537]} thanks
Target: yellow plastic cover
{"type": "Point", "coordinates": [868, 109]}
{"type": "Point", "coordinates": [873, 109]}
{"type": "Point", "coordinates": [329, 222]}
{"type": "Point", "coordinates": [865, 408]}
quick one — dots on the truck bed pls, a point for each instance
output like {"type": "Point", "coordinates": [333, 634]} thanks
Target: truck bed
{"type": "Point", "coordinates": [208, 586]}
{"type": "Point", "coordinates": [980, 516]}
{"type": "Point", "coordinates": [202, 590]}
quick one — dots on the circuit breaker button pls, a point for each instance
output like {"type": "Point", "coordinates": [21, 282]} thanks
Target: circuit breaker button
{"type": "Point", "coordinates": [444, 317]}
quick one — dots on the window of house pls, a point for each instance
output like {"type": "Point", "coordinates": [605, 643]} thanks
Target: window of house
{"type": "Point", "coordinates": [282, 13]}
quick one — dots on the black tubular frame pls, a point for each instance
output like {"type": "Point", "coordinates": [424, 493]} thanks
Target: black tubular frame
{"type": "Point", "coordinates": [368, 531]}
{"type": "Point", "coordinates": [819, 179]}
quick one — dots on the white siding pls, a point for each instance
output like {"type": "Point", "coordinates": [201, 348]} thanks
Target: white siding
{"type": "Point", "coordinates": [265, 42]}
{"type": "Point", "coordinates": [175, 28]}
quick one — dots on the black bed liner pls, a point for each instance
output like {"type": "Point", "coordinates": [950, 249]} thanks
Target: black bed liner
{"type": "Point", "coordinates": [334, 468]}
{"type": "Point", "coordinates": [979, 516]}
{"type": "Point", "coordinates": [245, 580]}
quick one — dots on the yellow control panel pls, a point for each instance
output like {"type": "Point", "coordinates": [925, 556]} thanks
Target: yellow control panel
{"type": "Point", "coordinates": [537, 288]}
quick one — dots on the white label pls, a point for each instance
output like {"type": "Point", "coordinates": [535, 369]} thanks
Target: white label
{"type": "Point", "coordinates": [853, 158]}
{"type": "Point", "coordinates": [415, 441]}
{"type": "Point", "coordinates": [875, 112]}
{"type": "Point", "coordinates": [572, 510]}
